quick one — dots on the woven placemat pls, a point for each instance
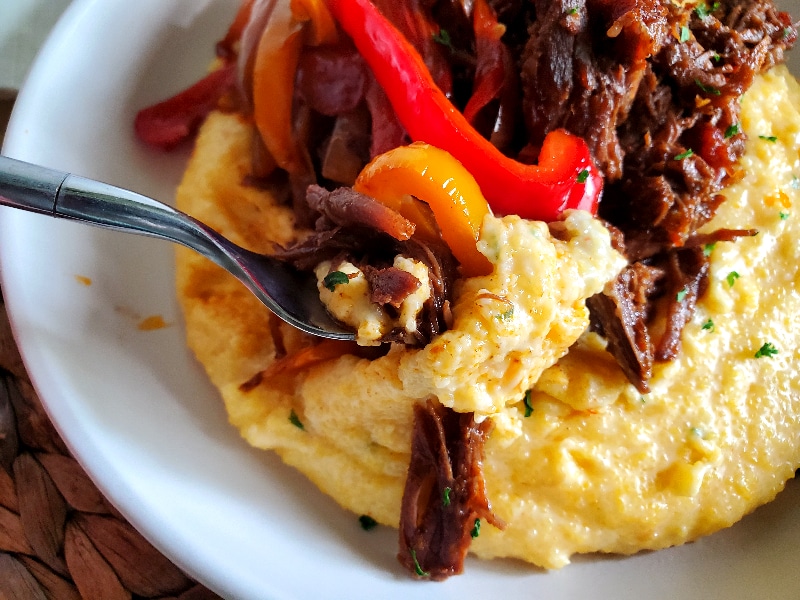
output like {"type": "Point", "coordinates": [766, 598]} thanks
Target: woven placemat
{"type": "Point", "coordinates": [60, 539]}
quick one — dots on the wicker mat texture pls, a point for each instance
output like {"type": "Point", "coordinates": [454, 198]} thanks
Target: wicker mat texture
{"type": "Point", "coordinates": [59, 537]}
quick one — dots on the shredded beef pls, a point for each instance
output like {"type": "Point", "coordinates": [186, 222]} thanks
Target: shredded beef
{"type": "Point", "coordinates": [582, 65]}
{"type": "Point", "coordinates": [352, 226]}
{"type": "Point", "coordinates": [621, 314]}
{"type": "Point", "coordinates": [348, 208]}
{"type": "Point", "coordinates": [654, 88]}
{"type": "Point", "coordinates": [445, 492]}
{"type": "Point", "coordinates": [390, 285]}
{"type": "Point", "coordinates": [624, 311]}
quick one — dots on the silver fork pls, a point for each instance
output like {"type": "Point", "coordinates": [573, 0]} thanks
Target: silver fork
{"type": "Point", "coordinates": [291, 295]}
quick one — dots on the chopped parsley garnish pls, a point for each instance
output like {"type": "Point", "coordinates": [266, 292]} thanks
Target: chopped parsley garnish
{"type": "Point", "coordinates": [476, 529]}
{"type": "Point", "coordinates": [709, 248]}
{"type": "Point", "coordinates": [707, 88]}
{"type": "Point", "coordinates": [417, 569]}
{"type": "Point", "coordinates": [784, 215]}
{"type": "Point", "coordinates": [685, 34]}
{"type": "Point", "coordinates": [696, 432]}
{"type": "Point", "coordinates": [295, 420]}
{"type": "Point", "coordinates": [443, 37]}
{"type": "Point", "coordinates": [768, 350]}
{"type": "Point", "coordinates": [583, 176]}
{"type": "Point", "coordinates": [732, 277]}
{"type": "Point", "coordinates": [683, 155]}
{"type": "Point", "coordinates": [528, 405]}
{"type": "Point", "coordinates": [768, 138]}
{"type": "Point", "coordinates": [732, 130]}
{"type": "Point", "coordinates": [708, 325]}
{"type": "Point", "coordinates": [367, 523]}
{"type": "Point", "coordinates": [505, 316]}
{"type": "Point", "coordinates": [446, 496]}
{"type": "Point", "coordinates": [681, 295]}
{"type": "Point", "coordinates": [335, 278]}
{"type": "Point", "coordinates": [703, 10]}
{"type": "Point", "coordinates": [572, 11]}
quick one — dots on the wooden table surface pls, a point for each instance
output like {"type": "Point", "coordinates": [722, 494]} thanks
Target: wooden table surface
{"type": "Point", "coordinates": [60, 539]}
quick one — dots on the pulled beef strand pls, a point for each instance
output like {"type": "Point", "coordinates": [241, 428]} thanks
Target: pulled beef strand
{"type": "Point", "coordinates": [347, 207]}
{"type": "Point", "coordinates": [687, 272]}
{"type": "Point", "coordinates": [620, 313]}
{"type": "Point", "coordinates": [390, 285]}
{"type": "Point", "coordinates": [445, 494]}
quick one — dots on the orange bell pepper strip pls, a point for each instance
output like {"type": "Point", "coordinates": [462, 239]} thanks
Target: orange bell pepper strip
{"type": "Point", "coordinates": [291, 25]}
{"type": "Point", "coordinates": [307, 357]}
{"type": "Point", "coordinates": [435, 177]}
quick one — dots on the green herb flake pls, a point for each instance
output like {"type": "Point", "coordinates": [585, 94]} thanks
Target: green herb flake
{"type": "Point", "coordinates": [680, 296]}
{"type": "Point", "coordinates": [709, 248]}
{"type": "Point", "coordinates": [685, 34]}
{"type": "Point", "coordinates": [443, 37]}
{"type": "Point", "coordinates": [335, 278]}
{"type": "Point", "coordinates": [367, 523]}
{"type": "Point", "coordinates": [769, 138]}
{"type": "Point", "coordinates": [572, 11]}
{"type": "Point", "coordinates": [783, 215]}
{"type": "Point", "coordinates": [768, 350]}
{"type": "Point", "coordinates": [707, 88]}
{"type": "Point", "coordinates": [295, 420]}
{"type": "Point", "coordinates": [418, 569]}
{"type": "Point", "coordinates": [446, 496]}
{"type": "Point", "coordinates": [683, 155]}
{"type": "Point", "coordinates": [703, 9]}
{"type": "Point", "coordinates": [583, 176]}
{"type": "Point", "coordinates": [731, 131]}
{"type": "Point", "coordinates": [732, 277]}
{"type": "Point", "coordinates": [708, 325]}
{"type": "Point", "coordinates": [476, 529]}
{"type": "Point", "coordinates": [507, 315]}
{"type": "Point", "coordinates": [528, 405]}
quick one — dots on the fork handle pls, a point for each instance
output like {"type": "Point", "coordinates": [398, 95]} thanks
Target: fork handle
{"type": "Point", "coordinates": [58, 194]}
{"type": "Point", "coordinates": [29, 187]}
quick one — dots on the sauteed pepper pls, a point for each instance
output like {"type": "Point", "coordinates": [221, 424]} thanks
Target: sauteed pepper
{"type": "Point", "coordinates": [565, 176]}
{"type": "Point", "coordinates": [289, 25]}
{"type": "Point", "coordinates": [453, 195]}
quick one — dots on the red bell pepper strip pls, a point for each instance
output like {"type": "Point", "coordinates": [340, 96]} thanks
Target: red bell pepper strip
{"type": "Point", "coordinates": [565, 177]}
{"type": "Point", "coordinates": [168, 123]}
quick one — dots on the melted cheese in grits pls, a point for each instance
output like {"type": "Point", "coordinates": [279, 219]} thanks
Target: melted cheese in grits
{"type": "Point", "coordinates": [595, 466]}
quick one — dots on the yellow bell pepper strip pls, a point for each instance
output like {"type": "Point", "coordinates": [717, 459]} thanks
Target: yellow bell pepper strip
{"type": "Point", "coordinates": [565, 177]}
{"type": "Point", "coordinates": [435, 177]}
{"type": "Point", "coordinates": [291, 24]}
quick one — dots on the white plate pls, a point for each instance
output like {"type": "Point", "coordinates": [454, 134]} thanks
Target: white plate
{"type": "Point", "coordinates": [137, 410]}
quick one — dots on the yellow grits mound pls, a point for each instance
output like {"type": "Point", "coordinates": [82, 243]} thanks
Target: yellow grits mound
{"type": "Point", "coordinates": [596, 466]}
